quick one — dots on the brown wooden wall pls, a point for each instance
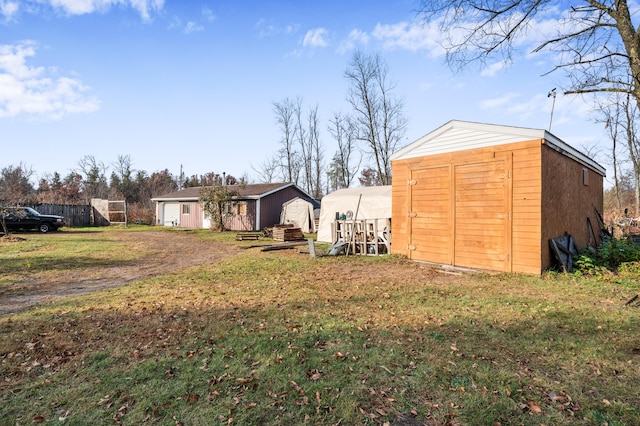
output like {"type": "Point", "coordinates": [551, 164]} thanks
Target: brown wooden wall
{"type": "Point", "coordinates": [527, 208]}
{"type": "Point", "coordinates": [271, 205]}
{"type": "Point", "coordinates": [567, 201]}
{"type": "Point", "coordinates": [238, 222]}
{"type": "Point", "coordinates": [478, 208]}
{"type": "Point", "coordinates": [193, 220]}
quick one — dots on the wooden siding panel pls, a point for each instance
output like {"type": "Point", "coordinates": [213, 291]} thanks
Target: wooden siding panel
{"type": "Point", "coordinates": [481, 213]}
{"type": "Point", "coordinates": [524, 201]}
{"type": "Point", "coordinates": [271, 205]}
{"type": "Point", "coordinates": [400, 210]}
{"type": "Point", "coordinates": [430, 212]}
{"type": "Point", "coordinates": [239, 222]}
{"type": "Point", "coordinates": [192, 219]}
{"type": "Point", "coordinates": [526, 210]}
{"type": "Point", "coordinates": [567, 202]}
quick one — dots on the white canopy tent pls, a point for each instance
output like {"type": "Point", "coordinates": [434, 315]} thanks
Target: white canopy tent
{"type": "Point", "coordinates": [298, 212]}
{"type": "Point", "coordinates": [374, 203]}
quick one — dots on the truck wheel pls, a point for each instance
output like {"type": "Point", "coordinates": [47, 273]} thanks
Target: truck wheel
{"type": "Point", "coordinates": [44, 228]}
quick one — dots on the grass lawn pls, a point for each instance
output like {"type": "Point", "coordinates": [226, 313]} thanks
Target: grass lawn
{"type": "Point", "coordinates": [280, 338]}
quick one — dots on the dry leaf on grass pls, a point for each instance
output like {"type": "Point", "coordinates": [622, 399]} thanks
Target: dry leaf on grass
{"type": "Point", "coordinates": [535, 408]}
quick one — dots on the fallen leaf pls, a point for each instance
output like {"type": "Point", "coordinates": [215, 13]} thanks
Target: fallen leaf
{"type": "Point", "coordinates": [38, 419]}
{"type": "Point", "coordinates": [535, 408]}
{"type": "Point", "coordinates": [296, 387]}
{"type": "Point", "coordinates": [313, 375]}
{"type": "Point", "coordinates": [385, 369]}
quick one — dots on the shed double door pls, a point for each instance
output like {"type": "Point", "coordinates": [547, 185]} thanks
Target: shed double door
{"type": "Point", "coordinates": [460, 214]}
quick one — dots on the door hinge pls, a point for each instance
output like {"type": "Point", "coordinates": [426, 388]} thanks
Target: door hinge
{"type": "Point", "coordinates": [505, 175]}
{"type": "Point", "coordinates": [412, 214]}
{"type": "Point", "coordinates": [411, 248]}
{"type": "Point", "coordinates": [411, 182]}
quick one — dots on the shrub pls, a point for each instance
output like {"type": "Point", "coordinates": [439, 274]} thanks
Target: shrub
{"type": "Point", "coordinates": [140, 215]}
{"type": "Point", "coordinates": [610, 255]}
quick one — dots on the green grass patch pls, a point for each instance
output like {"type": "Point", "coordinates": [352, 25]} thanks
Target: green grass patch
{"type": "Point", "coordinates": [45, 256]}
{"type": "Point", "coordinates": [280, 338]}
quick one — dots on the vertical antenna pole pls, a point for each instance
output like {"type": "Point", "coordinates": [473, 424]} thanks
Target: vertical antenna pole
{"type": "Point", "coordinates": [552, 94]}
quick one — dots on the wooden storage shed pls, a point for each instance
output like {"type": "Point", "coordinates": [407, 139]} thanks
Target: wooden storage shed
{"type": "Point", "coordinates": [490, 197]}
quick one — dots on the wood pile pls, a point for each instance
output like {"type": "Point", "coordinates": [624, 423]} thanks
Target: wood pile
{"type": "Point", "coordinates": [287, 234]}
{"type": "Point", "coordinates": [268, 232]}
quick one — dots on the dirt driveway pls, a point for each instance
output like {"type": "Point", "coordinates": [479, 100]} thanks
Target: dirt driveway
{"type": "Point", "coordinates": [172, 252]}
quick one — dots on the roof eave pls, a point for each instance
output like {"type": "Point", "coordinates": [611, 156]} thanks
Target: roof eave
{"type": "Point", "coordinates": [569, 151]}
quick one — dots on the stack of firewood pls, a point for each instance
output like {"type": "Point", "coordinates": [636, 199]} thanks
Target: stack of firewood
{"type": "Point", "coordinates": [287, 234]}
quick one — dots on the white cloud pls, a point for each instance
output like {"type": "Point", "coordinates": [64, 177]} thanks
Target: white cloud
{"type": "Point", "coordinates": [8, 9]}
{"type": "Point", "coordinates": [192, 27]}
{"type": "Point", "coordinates": [506, 99]}
{"type": "Point", "coordinates": [81, 7]}
{"type": "Point", "coordinates": [188, 28]}
{"type": "Point", "coordinates": [537, 108]}
{"type": "Point", "coordinates": [268, 29]}
{"type": "Point", "coordinates": [412, 36]}
{"type": "Point", "coordinates": [208, 14]}
{"type": "Point", "coordinates": [495, 68]}
{"type": "Point", "coordinates": [315, 38]}
{"type": "Point", "coordinates": [355, 38]}
{"type": "Point", "coordinates": [26, 90]}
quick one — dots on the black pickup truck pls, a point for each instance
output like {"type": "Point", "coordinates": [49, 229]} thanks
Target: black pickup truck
{"type": "Point", "coordinates": [28, 218]}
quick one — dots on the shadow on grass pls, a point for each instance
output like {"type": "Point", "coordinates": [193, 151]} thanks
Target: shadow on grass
{"type": "Point", "coordinates": [219, 361]}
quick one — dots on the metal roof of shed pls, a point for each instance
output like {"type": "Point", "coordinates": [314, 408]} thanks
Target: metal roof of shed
{"type": "Point", "coordinates": [463, 135]}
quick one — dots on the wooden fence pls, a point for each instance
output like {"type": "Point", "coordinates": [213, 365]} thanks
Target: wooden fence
{"type": "Point", "coordinates": [74, 215]}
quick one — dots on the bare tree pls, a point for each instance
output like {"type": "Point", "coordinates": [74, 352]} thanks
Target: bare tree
{"type": "Point", "coordinates": [285, 111]}
{"type": "Point", "coordinates": [15, 184]}
{"type": "Point", "coordinates": [633, 145]}
{"type": "Point", "coordinates": [307, 134]}
{"type": "Point", "coordinates": [268, 169]}
{"type": "Point", "coordinates": [317, 157]}
{"type": "Point", "coordinates": [302, 136]}
{"type": "Point", "coordinates": [595, 42]}
{"type": "Point", "coordinates": [369, 177]}
{"type": "Point", "coordinates": [378, 115]}
{"type": "Point", "coordinates": [346, 161]}
{"type": "Point", "coordinates": [611, 113]}
{"type": "Point", "coordinates": [122, 178]}
{"type": "Point", "coordinates": [94, 176]}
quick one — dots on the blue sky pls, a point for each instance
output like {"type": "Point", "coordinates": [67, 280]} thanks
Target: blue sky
{"type": "Point", "coordinates": [192, 83]}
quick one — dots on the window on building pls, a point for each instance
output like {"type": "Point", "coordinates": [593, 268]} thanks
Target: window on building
{"type": "Point", "coordinates": [242, 209]}
{"type": "Point", "coordinates": [186, 209]}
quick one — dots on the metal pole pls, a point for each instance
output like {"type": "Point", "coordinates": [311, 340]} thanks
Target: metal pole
{"type": "Point", "coordinates": [552, 94]}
